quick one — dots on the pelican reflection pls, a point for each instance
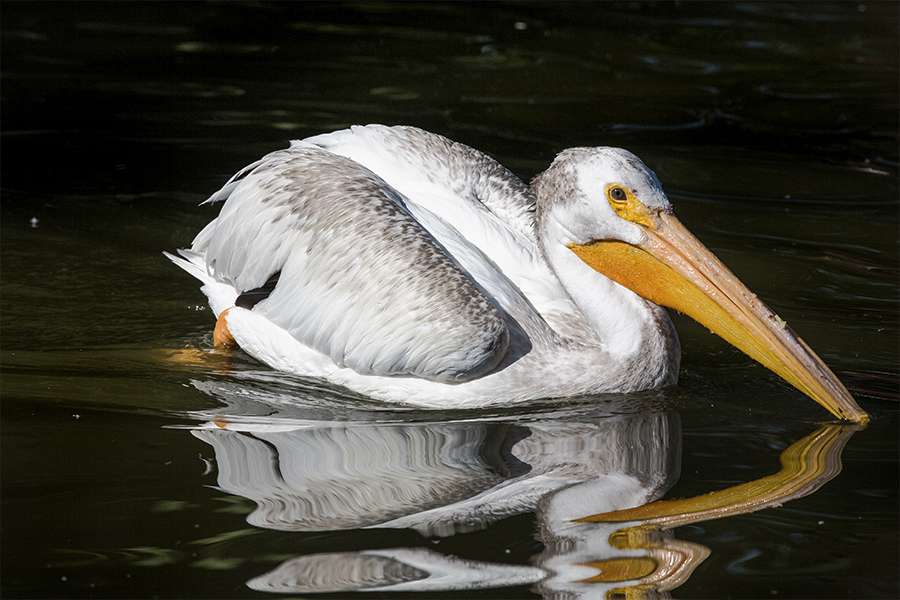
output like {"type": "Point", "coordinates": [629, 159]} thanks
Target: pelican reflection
{"type": "Point", "coordinates": [592, 481]}
{"type": "Point", "coordinates": [439, 478]}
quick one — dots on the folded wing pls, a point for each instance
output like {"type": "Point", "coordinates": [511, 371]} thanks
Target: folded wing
{"type": "Point", "coordinates": [358, 278]}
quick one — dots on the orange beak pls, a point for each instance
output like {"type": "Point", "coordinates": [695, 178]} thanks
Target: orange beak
{"type": "Point", "coordinates": [672, 268]}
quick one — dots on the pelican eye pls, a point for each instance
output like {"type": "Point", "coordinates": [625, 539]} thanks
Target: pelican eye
{"type": "Point", "coordinates": [617, 194]}
{"type": "Point", "coordinates": [628, 207]}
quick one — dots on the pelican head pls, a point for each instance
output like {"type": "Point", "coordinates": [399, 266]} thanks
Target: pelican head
{"type": "Point", "coordinates": [609, 209]}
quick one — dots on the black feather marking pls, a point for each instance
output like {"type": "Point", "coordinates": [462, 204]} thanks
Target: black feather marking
{"type": "Point", "coordinates": [251, 298]}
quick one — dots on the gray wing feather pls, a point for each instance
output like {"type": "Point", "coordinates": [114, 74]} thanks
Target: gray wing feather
{"type": "Point", "coordinates": [466, 171]}
{"type": "Point", "coordinates": [361, 281]}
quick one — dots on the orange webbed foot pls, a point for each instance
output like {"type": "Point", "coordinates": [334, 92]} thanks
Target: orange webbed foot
{"type": "Point", "coordinates": [221, 335]}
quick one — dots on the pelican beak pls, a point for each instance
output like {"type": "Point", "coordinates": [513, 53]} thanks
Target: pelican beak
{"type": "Point", "coordinates": [672, 268]}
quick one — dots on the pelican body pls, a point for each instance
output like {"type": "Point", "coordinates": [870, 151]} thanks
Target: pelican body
{"type": "Point", "coordinates": [410, 268]}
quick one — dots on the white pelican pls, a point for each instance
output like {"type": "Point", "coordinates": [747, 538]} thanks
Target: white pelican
{"type": "Point", "coordinates": [410, 268]}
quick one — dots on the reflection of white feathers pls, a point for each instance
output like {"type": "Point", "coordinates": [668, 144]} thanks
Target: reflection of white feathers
{"type": "Point", "coordinates": [558, 455]}
{"type": "Point", "coordinates": [440, 479]}
{"type": "Point", "coordinates": [390, 570]}
{"type": "Point", "coordinates": [336, 477]}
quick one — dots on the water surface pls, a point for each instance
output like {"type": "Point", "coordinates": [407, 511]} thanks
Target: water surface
{"type": "Point", "coordinates": [128, 473]}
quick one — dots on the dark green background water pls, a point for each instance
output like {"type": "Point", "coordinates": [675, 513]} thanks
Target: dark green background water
{"type": "Point", "coordinates": [773, 127]}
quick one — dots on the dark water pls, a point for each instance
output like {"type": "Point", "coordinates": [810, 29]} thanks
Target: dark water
{"type": "Point", "coordinates": [774, 129]}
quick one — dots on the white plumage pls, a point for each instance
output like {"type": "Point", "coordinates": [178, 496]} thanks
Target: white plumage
{"type": "Point", "coordinates": [410, 268]}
